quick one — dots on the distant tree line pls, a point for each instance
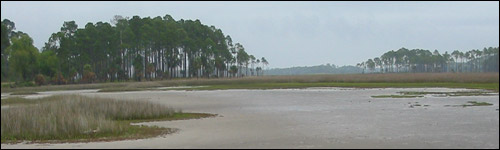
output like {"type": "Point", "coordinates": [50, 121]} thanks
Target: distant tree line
{"type": "Point", "coordinates": [126, 49]}
{"type": "Point", "coordinates": [419, 60]}
{"type": "Point", "coordinates": [319, 69]}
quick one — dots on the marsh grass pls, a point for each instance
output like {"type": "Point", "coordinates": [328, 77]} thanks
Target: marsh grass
{"type": "Point", "coordinates": [488, 81]}
{"type": "Point", "coordinates": [21, 101]}
{"type": "Point", "coordinates": [396, 96]}
{"type": "Point", "coordinates": [474, 103]}
{"type": "Point", "coordinates": [76, 118]}
{"type": "Point", "coordinates": [16, 100]}
{"type": "Point", "coordinates": [471, 103]}
{"type": "Point", "coordinates": [175, 116]}
{"type": "Point", "coordinates": [414, 94]}
{"type": "Point", "coordinates": [486, 86]}
{"type": "Point", "coordinates": [459, 93]}
{"type": "Point", "coordinates": [120, 89]}
{"type": "Point", "coordinates": [23, 93]}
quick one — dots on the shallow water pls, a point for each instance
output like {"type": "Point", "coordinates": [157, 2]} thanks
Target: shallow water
{"type": "Point", "coordinates": [315, 118]}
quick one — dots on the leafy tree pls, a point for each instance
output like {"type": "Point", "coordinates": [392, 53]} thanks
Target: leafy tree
{"type": "Point", "coordinates": [88, 75]}
{"type": "Point", "coordinates": [233, 70]}
{"type": "Point", "coordinates": [241, 57]}
{"type": "Point", "coordinates": [419, 60]}
{"type": "Point", "coordinates": [378, 62]}
{"type": "Point", "coordinates": [370, 64]}
{"type": "Point", "coordinates": [130, 48]}
{"type": "Point", "coordinates": [264, 62]}
{"type": "Point", "coordinates": [23, 60]}
{"type": "Point", "coordinates": [48, 63]}
{"type": "Point", "coordinates": [9, 28]}
{"type": "Point", "coordinates": [252, 60]}
{"type": "Point", "coordinates": [138, 66]}
{"type": "Point", "coordinates": [4, 44]}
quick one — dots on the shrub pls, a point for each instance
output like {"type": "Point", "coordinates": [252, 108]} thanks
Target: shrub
{"type": "Point", "coordinates": [88, 75]}
{"type": "Point", "coordinates": [40, 79]}
{"type": "Point", "coordinates": [59, 79]}
{"type": "Point", "coordinates": [24, 84]}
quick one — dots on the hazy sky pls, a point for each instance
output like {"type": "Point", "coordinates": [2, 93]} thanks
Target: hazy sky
{"type": "Point", "coordinates": [294, 33]}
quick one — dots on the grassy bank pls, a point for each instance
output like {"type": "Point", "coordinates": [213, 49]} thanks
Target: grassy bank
{"type": "Point", "coordinates": [451, 80]}
{"type": "Point", "coordinates": [23, 93]}
{"type": "Point", "coordinates": [471, 103]}
{"type": "Point", "coordinates": [23, 101]}
{"type": "Point", "coordinates": [119, 89]}
{"type": "Point", "coordinates": [414, 94]}
{"type": "Point", "coordinates": [77, 118]}
{"type": "Point", "coordinates": [396, 96]}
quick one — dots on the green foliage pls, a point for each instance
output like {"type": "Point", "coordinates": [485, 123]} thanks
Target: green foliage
{"type": "Point", "coordinates": [491, 63]}
{"type": "Point", "coordinates": [137, 48]}
{"type": "Point", "coordinates": [150, 69]}
{"type": "Point", "coordinates": [23, 84]}
{"type": "Point", "coordinates": [370, 64]}
{"type": "Point", "coordinates": [59, 79]}
{"type": "Point", "coordinates": [23, 60]}
{"type": "Point", "coordinates": [233, 70]}
{"type": "Point", "coordinates": [4, 44]}
{"type": "Point", "coordinates": [87, 68]}
{"type": "Point", "coordinates": [419, 60]}
{"type": "Point", "coordinates": [88, 75]}
{"type": "Point", "coordinates": [472, 103]}
{"type": "Point", "coordinates": [138, 67]}
{"type": "Point", "coordinates": [48, 63]}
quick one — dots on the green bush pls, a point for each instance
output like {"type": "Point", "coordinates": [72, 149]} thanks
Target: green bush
{"type": "Point", "coordinates": [23, 84]}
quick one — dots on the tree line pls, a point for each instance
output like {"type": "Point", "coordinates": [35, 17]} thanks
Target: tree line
{"type": "Point", "coordinates": [419, 60]}
{"type": "Point", "coordinates": [318, 69]}
{"type": "Point", "coordinates": [126, 49]}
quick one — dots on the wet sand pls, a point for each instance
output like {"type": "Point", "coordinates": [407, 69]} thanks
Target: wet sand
{"type": "Point", "coordinates": [314, 118]}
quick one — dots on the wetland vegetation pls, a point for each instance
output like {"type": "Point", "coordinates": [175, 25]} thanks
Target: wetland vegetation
{"type": "Point", "coordinates": [471, 103]}
{"type": "Point", "coordinates": [74, 118]}
{"type": "Point", "coordinates": [414, 94]}
{"type": "Point", "coordinates": [486, 81]}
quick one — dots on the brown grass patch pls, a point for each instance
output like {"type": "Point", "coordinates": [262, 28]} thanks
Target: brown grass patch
{"type": "Point", "coordinates": [335, 78]}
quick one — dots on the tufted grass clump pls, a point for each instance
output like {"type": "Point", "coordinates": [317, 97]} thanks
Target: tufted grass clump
{"type": "Point", "coordinates": [77, 117]}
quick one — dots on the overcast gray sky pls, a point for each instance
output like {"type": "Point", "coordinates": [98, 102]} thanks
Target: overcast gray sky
{"type": "Point", "coordinates": [294, 33]}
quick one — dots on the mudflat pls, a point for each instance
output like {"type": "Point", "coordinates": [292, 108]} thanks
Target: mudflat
{"type": "Point", "coordinates": [313, 118]}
